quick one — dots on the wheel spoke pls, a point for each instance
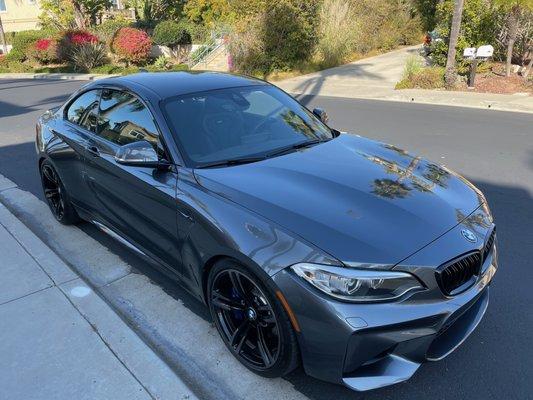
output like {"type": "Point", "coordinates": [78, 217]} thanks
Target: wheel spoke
{"type": "Point", "coordinates": [237, 284]}
{"type": "Point", "coordinates": [239, 336]}
{"type": "Point", "coordinates": [263, 347]}
{"type": "Point", "coordinates": [49, 174]}
{"type": "Point", "coordinates": [221, 301]}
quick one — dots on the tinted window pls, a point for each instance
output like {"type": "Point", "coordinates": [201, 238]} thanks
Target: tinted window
{"type": "Point", "coordinates": [240, 122]}
{"type": "Point", "coordinates": [83, 111]}
{"type": "Point", "coordinates": [124, 119]}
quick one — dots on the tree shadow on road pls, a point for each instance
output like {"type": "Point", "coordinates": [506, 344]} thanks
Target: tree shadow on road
{"type": "Point", "coordinates": [491, 355]}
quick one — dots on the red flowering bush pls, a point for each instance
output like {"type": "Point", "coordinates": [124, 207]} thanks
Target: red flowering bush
{"type": "Point", "coordinates": [72, 39]}
{"type": "Point", "coordinates": [44, 50]}
{"type": "Point", "coordinates": [132, 45]}
{"type": "Point", "coordinates": [81, 37]}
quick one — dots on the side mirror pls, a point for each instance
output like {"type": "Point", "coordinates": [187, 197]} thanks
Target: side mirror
{"type": "Point", "coordinates": [138, 154]}
{"type": "Point", "coordinates": [321, 114]}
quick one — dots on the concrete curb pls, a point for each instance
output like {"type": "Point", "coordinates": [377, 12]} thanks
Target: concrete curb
{"type": "Point", "coordinates": [401, 96]}
{"type": "Point", "coordinates": [56, 76]}
{"type": "Point", "coordinates": [125, 348]}
{"type": "Point", "coordinates": [174, 328]}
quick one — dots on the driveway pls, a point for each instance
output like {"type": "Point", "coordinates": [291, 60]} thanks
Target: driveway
{"type": "Point", "coordinates": [366, 76]}
{"type": "Point", "coordinates": [493, 149]}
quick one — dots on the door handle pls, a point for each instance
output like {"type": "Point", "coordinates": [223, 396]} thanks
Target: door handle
{"type": "Point", "coordinates": [93, 150]}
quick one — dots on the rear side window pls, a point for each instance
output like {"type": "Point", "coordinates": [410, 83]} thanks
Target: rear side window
{"type": "Point", "coordinates": [124, 119]}
{"type": "Point", "coordinates": [84, 110]}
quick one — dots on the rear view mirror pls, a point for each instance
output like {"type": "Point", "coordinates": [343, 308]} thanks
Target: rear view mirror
{"type": "Point", "coordinates": [321, 114]}
{"type": "Point", "coordinates": [137, 154]}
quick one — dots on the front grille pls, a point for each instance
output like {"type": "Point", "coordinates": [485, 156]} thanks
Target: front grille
{"type": "Point", "coordinates": [459, 274]}
{"type": "Point", "coordinates": [489, 244]}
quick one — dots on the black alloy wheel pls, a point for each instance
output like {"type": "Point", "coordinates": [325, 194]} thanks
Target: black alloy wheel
{"type": "Point", "coordinates": [251, 322]}
{"type": "Point", "coordinates": [56, 195]}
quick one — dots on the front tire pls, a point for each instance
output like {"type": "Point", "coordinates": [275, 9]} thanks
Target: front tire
{"type": "Point", "coordinates": [251, 321]}
{"type": "Point", "coordinates": [56, 196]}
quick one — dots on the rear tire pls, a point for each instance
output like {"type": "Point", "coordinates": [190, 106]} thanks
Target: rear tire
{"type": "Point", "coordinates": [251, 321]}
{"type": "Point", "coordinates": [56, 195]}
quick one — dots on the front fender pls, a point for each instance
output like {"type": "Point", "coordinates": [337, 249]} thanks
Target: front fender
{"type": "Point", "coordinates": [211, 226]}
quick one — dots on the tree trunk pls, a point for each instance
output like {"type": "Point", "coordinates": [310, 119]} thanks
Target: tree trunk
{"type": "Point", "coordinates": [79, 16]}
{"type": "Point", "coordinates": [528, 68]}
{"type": "Point", "coordinates": [513, 32]}
{"type": "Point", "coordinates": [3, 37]}
{"type": "Point", "coordinates": [451, 75]}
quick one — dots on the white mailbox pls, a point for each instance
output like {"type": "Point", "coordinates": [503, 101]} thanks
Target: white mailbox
{"type": "Point", "coordinates": [485, 51]}
{"type": "Point", "coordinates": [469, 52]}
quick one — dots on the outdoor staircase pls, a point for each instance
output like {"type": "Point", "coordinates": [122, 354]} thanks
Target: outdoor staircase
{"type": "Point", "coordinates": [214, 57]}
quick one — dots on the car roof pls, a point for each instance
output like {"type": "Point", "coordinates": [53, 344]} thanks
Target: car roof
{"type": "Point", "coordinates": [170, 84]}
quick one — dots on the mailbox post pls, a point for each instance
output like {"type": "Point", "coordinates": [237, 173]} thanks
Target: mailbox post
{"type": "Point", "coordinates": [473, 54]}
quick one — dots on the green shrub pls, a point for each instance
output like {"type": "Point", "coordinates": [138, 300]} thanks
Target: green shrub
{"type": "Point", "coordinates": [14, 66]}
{"type": "Point", "coordinates": [413, 65]}
{"type": "Point", "coordinates": [425, 78]}
{"type": "Point", "coordinates": [107, 30]}
{"type": "Point", "coordinates": [171, 34]}
{"type": "Point", "coordinates": [161, 62]}
{"type": "Point", "coordinates": [23, 42]}
{"type": "Point", "coordinates": [88, 55]}
{"type": "Point", "coordinates": [279, 37]}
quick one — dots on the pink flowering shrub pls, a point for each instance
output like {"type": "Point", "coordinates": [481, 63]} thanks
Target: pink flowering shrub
{"type": "Point", "coordinates": [81, 37]}
{"type": "Point", "coordinates": [132, 45]}
{"type": "Point", "coordinates": [44, 50]}
{"type": "Point", "coordinates": [72, 39]}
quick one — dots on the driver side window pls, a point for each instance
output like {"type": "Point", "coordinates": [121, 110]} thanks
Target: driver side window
{"type": "Point", "coordinates": [83, 111]}
{"type": "Point", "coordinates": [123, 118]}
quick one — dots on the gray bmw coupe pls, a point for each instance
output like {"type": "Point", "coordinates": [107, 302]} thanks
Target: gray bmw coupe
{"type": "Point", "coordinates": [310, 246]}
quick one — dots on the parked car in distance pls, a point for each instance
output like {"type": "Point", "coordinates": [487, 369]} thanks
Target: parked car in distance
{"type": "Point", "coordinates": [350, 256]}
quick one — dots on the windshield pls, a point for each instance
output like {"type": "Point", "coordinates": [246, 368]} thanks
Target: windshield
{"type": "Point", "coordinates": [237, 123]}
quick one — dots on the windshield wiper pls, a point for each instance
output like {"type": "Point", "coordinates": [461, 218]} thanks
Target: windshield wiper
{"type": "Point", "coordinates": [296, 146]}
{"type": "Point", "coordinates": [230, 162]}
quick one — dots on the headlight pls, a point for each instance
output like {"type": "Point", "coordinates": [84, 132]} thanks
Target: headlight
{"type": "Point", "coordinates": [358, 285]}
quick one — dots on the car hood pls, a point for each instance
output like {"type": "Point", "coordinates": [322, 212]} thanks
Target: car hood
{"type": "Point", "coordinates": [359, 200]}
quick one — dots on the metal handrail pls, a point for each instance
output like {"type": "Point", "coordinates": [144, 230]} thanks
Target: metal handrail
{"type": "Point", "coordinates": [216, 41]}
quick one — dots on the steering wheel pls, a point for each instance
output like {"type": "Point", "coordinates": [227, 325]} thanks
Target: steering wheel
{"type": "Point", "coordinates": [263, 124]}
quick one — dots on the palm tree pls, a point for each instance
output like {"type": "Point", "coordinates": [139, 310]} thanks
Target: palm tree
{"type": "Point", "coordinates": [451, 75]}
{"type": "Point", "coordinates": [530, 64]}
{"type": "Point", "coordinates": [3, 36]}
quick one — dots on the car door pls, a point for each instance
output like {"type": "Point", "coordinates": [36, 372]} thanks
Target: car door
{"type": "Point", "coordinates": [72, 132]}
{"type": "Point", "coordinates": [138, 203]}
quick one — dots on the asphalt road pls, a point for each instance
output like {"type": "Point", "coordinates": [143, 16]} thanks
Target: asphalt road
{"type": "Point", "coordinates": [492, 149]}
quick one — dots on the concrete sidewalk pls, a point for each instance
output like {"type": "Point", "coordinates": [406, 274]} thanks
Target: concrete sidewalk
{"type": "Point", "coordinates": [59, 339]}
{"type": "Point", "coordinates": [173, 324]}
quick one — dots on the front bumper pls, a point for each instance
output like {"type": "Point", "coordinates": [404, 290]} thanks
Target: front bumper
{"type": "Point", "coordinates": [367, 346]}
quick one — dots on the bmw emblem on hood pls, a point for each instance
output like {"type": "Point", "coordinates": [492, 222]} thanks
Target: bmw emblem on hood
{"type": "Point", "coordinates": [469, 235]}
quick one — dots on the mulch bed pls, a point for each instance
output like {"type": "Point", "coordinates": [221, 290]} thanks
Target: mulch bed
{"type": "Point", "coordinates": [493, 83]}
